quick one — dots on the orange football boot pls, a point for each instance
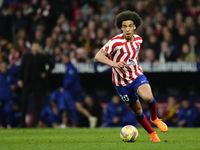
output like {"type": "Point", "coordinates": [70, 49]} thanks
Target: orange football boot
{"type": "Point", "coordinates": [160, 124]}
{"type": "Point", "coordinates": [154, 137]}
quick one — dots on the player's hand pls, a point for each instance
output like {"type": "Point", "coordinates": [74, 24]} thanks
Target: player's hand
{"type": "Point", "coordinates": [119, 65]}
{"type": "Point", "coordinates": [181, 123]}
{"type": "Point", "coordinates": [61, 90]}
{"type": "Point", "coordinates": [115, 120]}
{"type": "Point", "coordinates": [20, 83]}
{"type": "Point", "coordinates": [12, 87]}
{"type": "Point", "coordinates": [43, 75]}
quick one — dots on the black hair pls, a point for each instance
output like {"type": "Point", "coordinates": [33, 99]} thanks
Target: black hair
{"type": "Point", "coordinates": [66, 53]}
{"type": "Point", "coordinates": [185, 98]}
{"type": "Point", "coordinates": [35, 42]}
{"type": "Point", "coordinates": [128, 15]}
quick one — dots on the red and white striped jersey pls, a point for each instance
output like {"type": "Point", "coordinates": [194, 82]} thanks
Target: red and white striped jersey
{"type": "Point", "coordinates": [120, 49]}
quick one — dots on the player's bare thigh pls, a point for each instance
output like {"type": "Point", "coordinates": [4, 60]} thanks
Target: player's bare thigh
{"type": "Point", "coordinates": [137, 108]}
{"type": "Point", "coordinates": [144, 91]}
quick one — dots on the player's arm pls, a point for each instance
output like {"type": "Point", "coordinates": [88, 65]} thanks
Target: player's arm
{"type": "Point", "coordinates": [101, 57]}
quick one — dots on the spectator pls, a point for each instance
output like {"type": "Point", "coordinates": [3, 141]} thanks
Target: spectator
{"type": "Point", "coordinates": [39, 37]}
{"type": "Point", "coordinates": [85, 40]}
{"type": "Point", "coordinates": [188, 114]}
{"type": "Point", "coordinates": [7, 85]}
{"type": "Point", "coordinates": [72, 57]}
{"type": "Point", "coordinates": [153, 44]}
{"type": "Point", "coordinates": [166, 53]}
{"type": "Point", "coordinates": [58, 55]}
{"type": "Point", "coordinates": [171, 112]}
{"type": "Point", "coordinates": [198, 26]}
{"type": "Point", "coordinates": [23, 34]}
{"type": "Point", "coordinates": [6, 21]}
{"type": "Point", "coordinates": [112, 33]}
{"type": "Point", "coordinates": [179, 20]}
{"type": "Point", "coordinates": [83, 55]}
{"type": "Point", "coordinates": [115, 114]}
{"type": "Point", "coordinates": [94, 108]}
{"type": "Point", "coordinates": [187, 54]}
{"type": "Point", "coordinates": [14, 56]}
{"type": "Point", "coordinates": [63, 23]}
{"type": "Point", "coordinates": [31, 79]}
{"type": "Point", "coordinates": [91, 29]}
{"type": "Point", "coordinates": [140, 8]}
{"type": "Point", "coordinates": [19, 22]}
{"type": "Point", "coordinates": [27, 11]}
{"type": "Point", "coordinates": [78, 19]}
{"type": "Point", "coordinates": [74, 31]}
{"type": "Point", "coordinates": [190, 25]}
{"type": "Point", "coordinates": [21, 46]}
{"type": "Point", "coordinates": [149, 55]}
{"type": "Point", "coordinates": [71, 83]}
{"type": "Point", "coordinates": [191, 9]}
{"type": "Point", "coordinates": [182, 36]}
{"type": "Point", "coordinates": [71, 42]}
{"type": "Point", "coordinates": [44, 14]}
{"type": "Point", "coordinates": [49, 47]}
{"type": "Point", "coordinates": [193, 43]}
{"type": "Point", "coordinates": [4, 49]}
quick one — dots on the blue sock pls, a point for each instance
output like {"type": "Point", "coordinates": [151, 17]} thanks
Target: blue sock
{"type": "Point", "coordinates": [152, 103]}
{"type": "Point", "coordinates": [141, 117]}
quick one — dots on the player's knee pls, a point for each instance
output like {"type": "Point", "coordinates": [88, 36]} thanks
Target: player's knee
{"type": "Point", "coordinates": [148, 98]}
{"type": "Point", "coordinates": [138, 111]}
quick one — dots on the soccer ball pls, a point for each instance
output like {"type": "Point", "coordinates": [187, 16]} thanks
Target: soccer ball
{"type": "Point", "coordinates": [129, 133]}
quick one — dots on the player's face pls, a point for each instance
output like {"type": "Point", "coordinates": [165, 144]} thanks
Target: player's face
{"type": "Point", "coordinates": [3, 68]}
{"type": "Point", "coordinates": [35, 48]}
{"type": "Point", "coordinates": [65, 59]}
{"type": "Point", "coordinates": [116, 100]}
{"type": "Point", "coordinates": [128, 28]}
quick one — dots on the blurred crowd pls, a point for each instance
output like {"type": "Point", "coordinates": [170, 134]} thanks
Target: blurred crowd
{"type": "Point", "coordinates": [72, 31]}
{"type": "Point", "coordinates": [169, 29]}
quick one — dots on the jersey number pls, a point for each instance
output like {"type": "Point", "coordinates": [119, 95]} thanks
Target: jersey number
{"type": "Point", "coordinates": [124, 98]}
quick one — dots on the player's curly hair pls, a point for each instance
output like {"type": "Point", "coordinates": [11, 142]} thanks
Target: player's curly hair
{"type": "Point", "coordinates": [128, 15]}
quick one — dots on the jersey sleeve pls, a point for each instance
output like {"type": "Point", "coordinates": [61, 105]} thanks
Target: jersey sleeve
{"type": "Point", "coordinates": [108, 47]}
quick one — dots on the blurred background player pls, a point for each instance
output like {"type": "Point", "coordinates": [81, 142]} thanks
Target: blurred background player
{"type": "Point", "coordinates": [94, 108]}
{"type": "Point", "coordinates": [8, 83]}
{"type": "Point", "coordinates": [115, 114]}
{"type": "Point", "coordinates": [171, 112]}
{"type": "Point", "coordinates": [71, 83]}
{"type": "Point", "coordinates": [50, 116]}
{"type": "Point", "coordinates": [188, 114]}
{"type": "Point", "coordinates": [128, 77]}
{"type": "Point", "coordinates": [32, 74]}
{"type": "Point", "coordinates": [66, 107]}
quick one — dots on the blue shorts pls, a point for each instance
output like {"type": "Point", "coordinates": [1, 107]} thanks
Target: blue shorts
{"type": "Point", "coordinates": [129, 93]}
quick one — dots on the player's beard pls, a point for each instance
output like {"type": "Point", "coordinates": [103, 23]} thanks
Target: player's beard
{"type": "Point", "coordinates": [128, 38]}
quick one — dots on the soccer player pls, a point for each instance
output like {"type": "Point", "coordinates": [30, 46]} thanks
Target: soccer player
{"type": "Point", "coordinates": [8, 83]}
{"type": "Point", "coordinates": [127, 75]}
{"type": "Point", "coordinates": [71, 83]}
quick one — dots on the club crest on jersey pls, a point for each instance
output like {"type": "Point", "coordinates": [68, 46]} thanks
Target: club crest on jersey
{"type": "Point", "coordinates": [108, 43]}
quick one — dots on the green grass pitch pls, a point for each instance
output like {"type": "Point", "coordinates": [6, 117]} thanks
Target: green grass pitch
{"type": "Point", "coordinates": [96, 139]}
